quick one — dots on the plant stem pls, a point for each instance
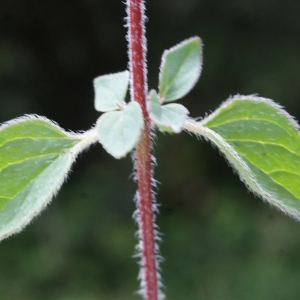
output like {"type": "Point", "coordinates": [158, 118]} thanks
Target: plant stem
{"type": "Point", "coordinates": [138, 87]}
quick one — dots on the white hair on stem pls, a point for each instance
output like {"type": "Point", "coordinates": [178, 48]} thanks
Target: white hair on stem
{"type": "Point", "coordinates": [157, 235]}
{"type": "Point", "coordinates": [136, 215]}
{"type": "Point", "coordinates": [144, 46]}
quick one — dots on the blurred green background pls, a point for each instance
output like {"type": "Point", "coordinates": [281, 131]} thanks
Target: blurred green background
{"type": "Point", "coordinates": [219, 241]}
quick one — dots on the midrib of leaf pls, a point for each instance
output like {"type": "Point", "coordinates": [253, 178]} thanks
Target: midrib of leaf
{"type": "Point", "coordinates": [282, 171]}
{"type": "Point", "coordinates": [215, 124]}
{"type": "Point", "coordinates": [27, 159]}
{"type": "Point", "coordinates": [263, 144]}
{"type": "Point", "coordinates": [229, 110]}
{"type": "Point", "coordinates": [35, 173]}
{"type": "Point", "coordinates": [38, 138]}
{"type": "Point", "coordinates": [262, 133]}
{"type": "Point", "coordinates": [27, 128]}
{"type": "Point", "coordinates": [26, 155]}
{"type": "Point", "coordinates": [252, 104]}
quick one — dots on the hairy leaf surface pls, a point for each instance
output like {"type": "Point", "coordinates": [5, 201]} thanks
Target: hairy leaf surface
{"type": "Point", "coordinates": [110, 91]}
{"type": "Point", "coordinates": [180, 69]}
{"type": "Point", "coordinates": [35, 157]}
{"type": "Point", "coordinates": [262, 143]}
{"type": "Point", "coordinates": [119, 131]}
{"type": "Point", "coordinates": [169, 117]}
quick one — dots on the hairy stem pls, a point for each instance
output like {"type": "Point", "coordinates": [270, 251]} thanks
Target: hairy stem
{"type": "Point", "coordinates": [138, 87]}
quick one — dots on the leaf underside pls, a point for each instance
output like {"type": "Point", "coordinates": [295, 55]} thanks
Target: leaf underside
{"type": "Point", "coordinates": [110, 91]}
{"type": "Point", "coordinates": [35, 158]}
{"type": "Point", "coordinates": [169, 117]}
{"type": "Point", "coordinates": [180, 69]}
{"type": "Point", "coordinates": [262, 142]}
{"type": "Point", "coordinates": [119, 131]}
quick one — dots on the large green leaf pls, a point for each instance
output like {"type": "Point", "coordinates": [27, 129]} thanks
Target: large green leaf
{"type": "Point", "coordinates": [262, 143]}
{"type": "Point", "coordinates": [180, 69]}
{"type": "Point", "coordinates": [119, 131]}
{"type": "Point", "coordinates": [35, 157]}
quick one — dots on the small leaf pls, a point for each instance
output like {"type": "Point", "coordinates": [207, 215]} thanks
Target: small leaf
{"type": "Point", "coordinates": [180, 69]}
{"type": "Point", "coordinates": [110, 91]}
{"type": "Point", "coordinates": [262, 143]}
{"type": "Point", "coordinates": [35, 157]}
{"type": "Point", "coordinates": [119, 131]}
{"type": "Point", "coordinates": [170, 117]}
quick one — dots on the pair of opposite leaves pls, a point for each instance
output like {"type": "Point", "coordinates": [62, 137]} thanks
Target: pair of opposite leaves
{"type": "Point", "coordinates": [259, 139]}
{"type": "Point", "coordinates": [119, 130]}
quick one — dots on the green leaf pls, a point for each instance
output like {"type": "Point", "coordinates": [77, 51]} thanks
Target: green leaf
{"type": "Point", "coordinates": [262, 143]}
{"type": "Point", "coordinates": [119, 131]}
{"type": "Point", "coordinates": [180, 69]}
{"type": "Point", "coordinates": [170, 117]}
{"type": "Point", "coordinates": [35, 157]}
{"type": "Point", "coordinates": [110, 91]}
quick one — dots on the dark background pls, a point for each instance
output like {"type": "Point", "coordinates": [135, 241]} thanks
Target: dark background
{"type": "Point", "coordinates": [219, 241]}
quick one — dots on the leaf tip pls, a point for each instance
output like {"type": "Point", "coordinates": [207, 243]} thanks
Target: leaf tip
{"type": "Point", "coordinates": [180, 69]}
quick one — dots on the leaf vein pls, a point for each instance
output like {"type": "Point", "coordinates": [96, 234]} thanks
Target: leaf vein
{"type": "Point", "coordinates": [35, 139]}
{"type": "Point", "coordinates": [28, 158]}
{"type": "Point", "coordinates": [264, 143]}
{"type": "Point", "coordinates": [246, 119]}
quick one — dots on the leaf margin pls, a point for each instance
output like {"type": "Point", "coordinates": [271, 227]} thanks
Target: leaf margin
{"type": "Point", "coordinates": [84, 141]}
{"type": "Point", "coordinates": [118, 94]}
{"type": "Point", "coordinates": [162, 67]}
{"type": "Point", "coordinates": [102, 127]}
{"type": "Point", "coordinates": [199, 128]}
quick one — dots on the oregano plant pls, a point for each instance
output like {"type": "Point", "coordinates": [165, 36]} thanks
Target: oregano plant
{"type": "Point", "coordinates": [256, 136]}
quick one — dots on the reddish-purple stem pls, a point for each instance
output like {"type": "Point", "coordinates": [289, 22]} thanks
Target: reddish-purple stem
{"type": "Point", "coordinates": [137, 60]}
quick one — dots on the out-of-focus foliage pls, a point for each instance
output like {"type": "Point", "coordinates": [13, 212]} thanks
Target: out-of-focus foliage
{"type": "Point", "coordinates": [219, 241]}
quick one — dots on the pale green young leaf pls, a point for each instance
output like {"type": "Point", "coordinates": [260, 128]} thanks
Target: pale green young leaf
{"type": "Point", "coordinates": [262, 142]}
{"type": "Point", "coordinates": [35, 157]}
{"type": "Point", "coordinates": [110, 91]}
{"type": "Point", "coordinates": [119, 131]}
{"type": "Point", "coordinates": [180, 69]}
{"type": "Point", "coordinates": [169, 117]}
